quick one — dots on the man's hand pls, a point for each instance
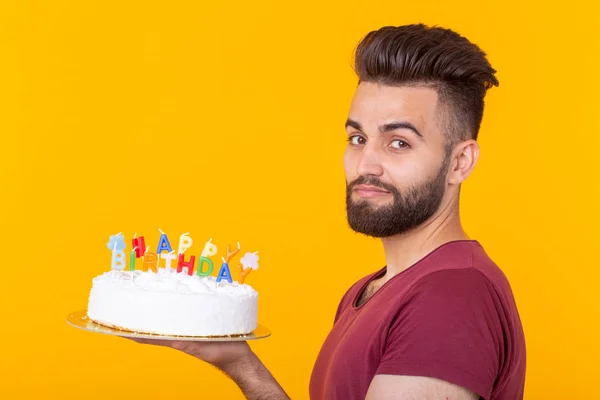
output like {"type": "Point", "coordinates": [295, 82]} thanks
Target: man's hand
{"type": "Point", "coordinates": [235, 359]}
{"type": "Point", "coordinates": [222, 355]}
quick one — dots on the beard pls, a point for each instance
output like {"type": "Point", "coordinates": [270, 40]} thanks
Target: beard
{"type": "Point", "coordinates": [407, 211]}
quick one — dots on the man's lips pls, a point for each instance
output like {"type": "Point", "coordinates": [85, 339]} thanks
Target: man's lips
{"type": "Point", "coordinates": [369, 191]}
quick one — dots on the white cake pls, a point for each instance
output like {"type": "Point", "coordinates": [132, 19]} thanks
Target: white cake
{"type": "Point", "coordinates": [171, 303]}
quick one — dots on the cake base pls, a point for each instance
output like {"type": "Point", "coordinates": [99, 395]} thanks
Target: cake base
{"type": "Point", "coordinates": [120, 328]}
{"type": "Point", "coordinates": [80, 320]}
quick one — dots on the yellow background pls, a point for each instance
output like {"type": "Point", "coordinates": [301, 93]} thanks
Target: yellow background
{"type": "Point", "coordinates": [226, 120]}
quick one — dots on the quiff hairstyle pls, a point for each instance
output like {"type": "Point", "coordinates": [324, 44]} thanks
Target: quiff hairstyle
{"type": "Point", "coordinates": [418, 55]}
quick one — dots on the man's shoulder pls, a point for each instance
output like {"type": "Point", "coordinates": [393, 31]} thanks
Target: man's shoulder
{"type": "Point", "coordinates": [459, 258]}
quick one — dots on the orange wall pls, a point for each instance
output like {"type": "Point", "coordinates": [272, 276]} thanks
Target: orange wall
{"type": "Point", "coordinates": [226, 120]}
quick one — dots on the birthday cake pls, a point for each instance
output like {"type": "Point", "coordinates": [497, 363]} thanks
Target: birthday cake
{"type": "Point", "coordinates": [179, 301]}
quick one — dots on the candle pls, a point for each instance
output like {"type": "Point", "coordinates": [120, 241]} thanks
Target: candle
{"type": "Point", "coordinates": [209, 249]}
{"type": "Point", "coordinates": [139, 245]}
{"type": "Point", "coordinates": [168, 257]}
{"type": "Point", "coordinates": [163, 243]}
{"type": "Point", "coordinates": [118, 260]}
{"type": "Point", "coordinates": [185, 242]}
{"type": "Point", "coordinates": [116, 243]}
{"type": "Point", "coordinates": [211, 266]}
{"type": "Point", "coordinates": [231, 254]}
{"type": "Point", "coordinates": [243, 273]}
{"type": "Point", "coordinates": [224, 272]}
{"type": "Point", "coordinates": [248, 263]}
{"type": "Point", "coordinates": [189, 264]}
{"type": "Point", "coordinates": [132, 257]}
{"type": "Point", "coordinates": [149, 262]}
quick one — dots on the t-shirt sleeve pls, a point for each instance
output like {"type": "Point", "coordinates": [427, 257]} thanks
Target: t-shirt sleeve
{"type": "Point", "coordinates": [449, 329]}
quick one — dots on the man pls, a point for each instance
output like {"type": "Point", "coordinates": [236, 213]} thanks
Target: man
{"type": "Point", "coordinates": [439, 321]}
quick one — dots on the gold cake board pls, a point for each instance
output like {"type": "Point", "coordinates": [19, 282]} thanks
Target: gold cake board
{"type": "Point", "coordinates": [80, 320]}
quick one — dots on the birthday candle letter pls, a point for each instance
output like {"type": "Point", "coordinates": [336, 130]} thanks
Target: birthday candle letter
{"type": "Point", "coordinates": [132, 259]}
{"type": "Point", "coordinates": [189, 264]}
{"type": "Point", "coordinates": [116, 244]}
{"type": "Point", "coordinates": [139, 245]}
{"type": "Point", "coordinates": [224, 273]}
{"type": "Point", "coordinates": [149, 262]}
{"type": "Point", "coordinates": [209, 249]}
{"type": "Point", "coordinates": [210, 266]}
{"type": "Point", "coordinates": [185, 242]}
{"type": "Point", "coordinates": [168, 257]}
{"type": "Point", "coordinates": [163, 243]}
{"type": "Point", "coordinates": [118, 260]}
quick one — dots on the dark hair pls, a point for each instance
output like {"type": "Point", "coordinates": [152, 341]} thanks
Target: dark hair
{"type": "Point", "coordinates": [432, 56]}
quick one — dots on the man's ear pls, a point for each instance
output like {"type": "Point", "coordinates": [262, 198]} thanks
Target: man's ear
{"type": "Point", "coordinates": [463, 159]}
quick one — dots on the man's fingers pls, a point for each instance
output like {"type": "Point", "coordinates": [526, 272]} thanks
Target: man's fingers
{"type": "Point", "coordinates": [156, 342]}
{"type": "Point", "coordinates": [188, 347]}
{"type": "Point", "coordinates": [179, 345]}
{"type": "Point", "coordinates": [183, 345]}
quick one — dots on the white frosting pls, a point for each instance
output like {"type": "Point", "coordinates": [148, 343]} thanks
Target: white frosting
{"type": "Point", "coordinates": [172, 303]}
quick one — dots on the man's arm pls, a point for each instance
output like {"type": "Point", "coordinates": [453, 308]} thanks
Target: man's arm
{"type": "Point", "coordinates": [236, 360]}
{"type": "Point", "coordinates": [384, 387]}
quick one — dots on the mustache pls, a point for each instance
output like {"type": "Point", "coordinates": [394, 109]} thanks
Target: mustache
{"type": "Point", "coordinates": [372, 181]}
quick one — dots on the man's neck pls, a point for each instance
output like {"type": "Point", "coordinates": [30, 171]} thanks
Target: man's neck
{"type": "Point", "coordinates": [404, 250]}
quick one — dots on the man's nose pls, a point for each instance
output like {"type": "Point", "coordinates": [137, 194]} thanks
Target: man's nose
{"type": "Point", "coordinates": [369, 162]}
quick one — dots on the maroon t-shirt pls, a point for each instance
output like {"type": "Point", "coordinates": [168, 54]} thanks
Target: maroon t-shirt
{"type": "Point", "coordinates": [450, 316]}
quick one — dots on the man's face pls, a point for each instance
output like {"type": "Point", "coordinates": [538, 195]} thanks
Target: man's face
{"type": "Point", "coordinates": [395, 162]}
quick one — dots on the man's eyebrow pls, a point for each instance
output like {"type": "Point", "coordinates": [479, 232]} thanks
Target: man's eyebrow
{"type": "Point", "coordinates": [353, 124]}
{"type": "Point", "coordinates": [392, 126]}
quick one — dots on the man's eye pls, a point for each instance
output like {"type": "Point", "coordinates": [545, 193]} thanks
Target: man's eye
{"type": "Point", "coordinates": [399, 144]}
{"type": "Point", "coordinates": [357, 140]}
